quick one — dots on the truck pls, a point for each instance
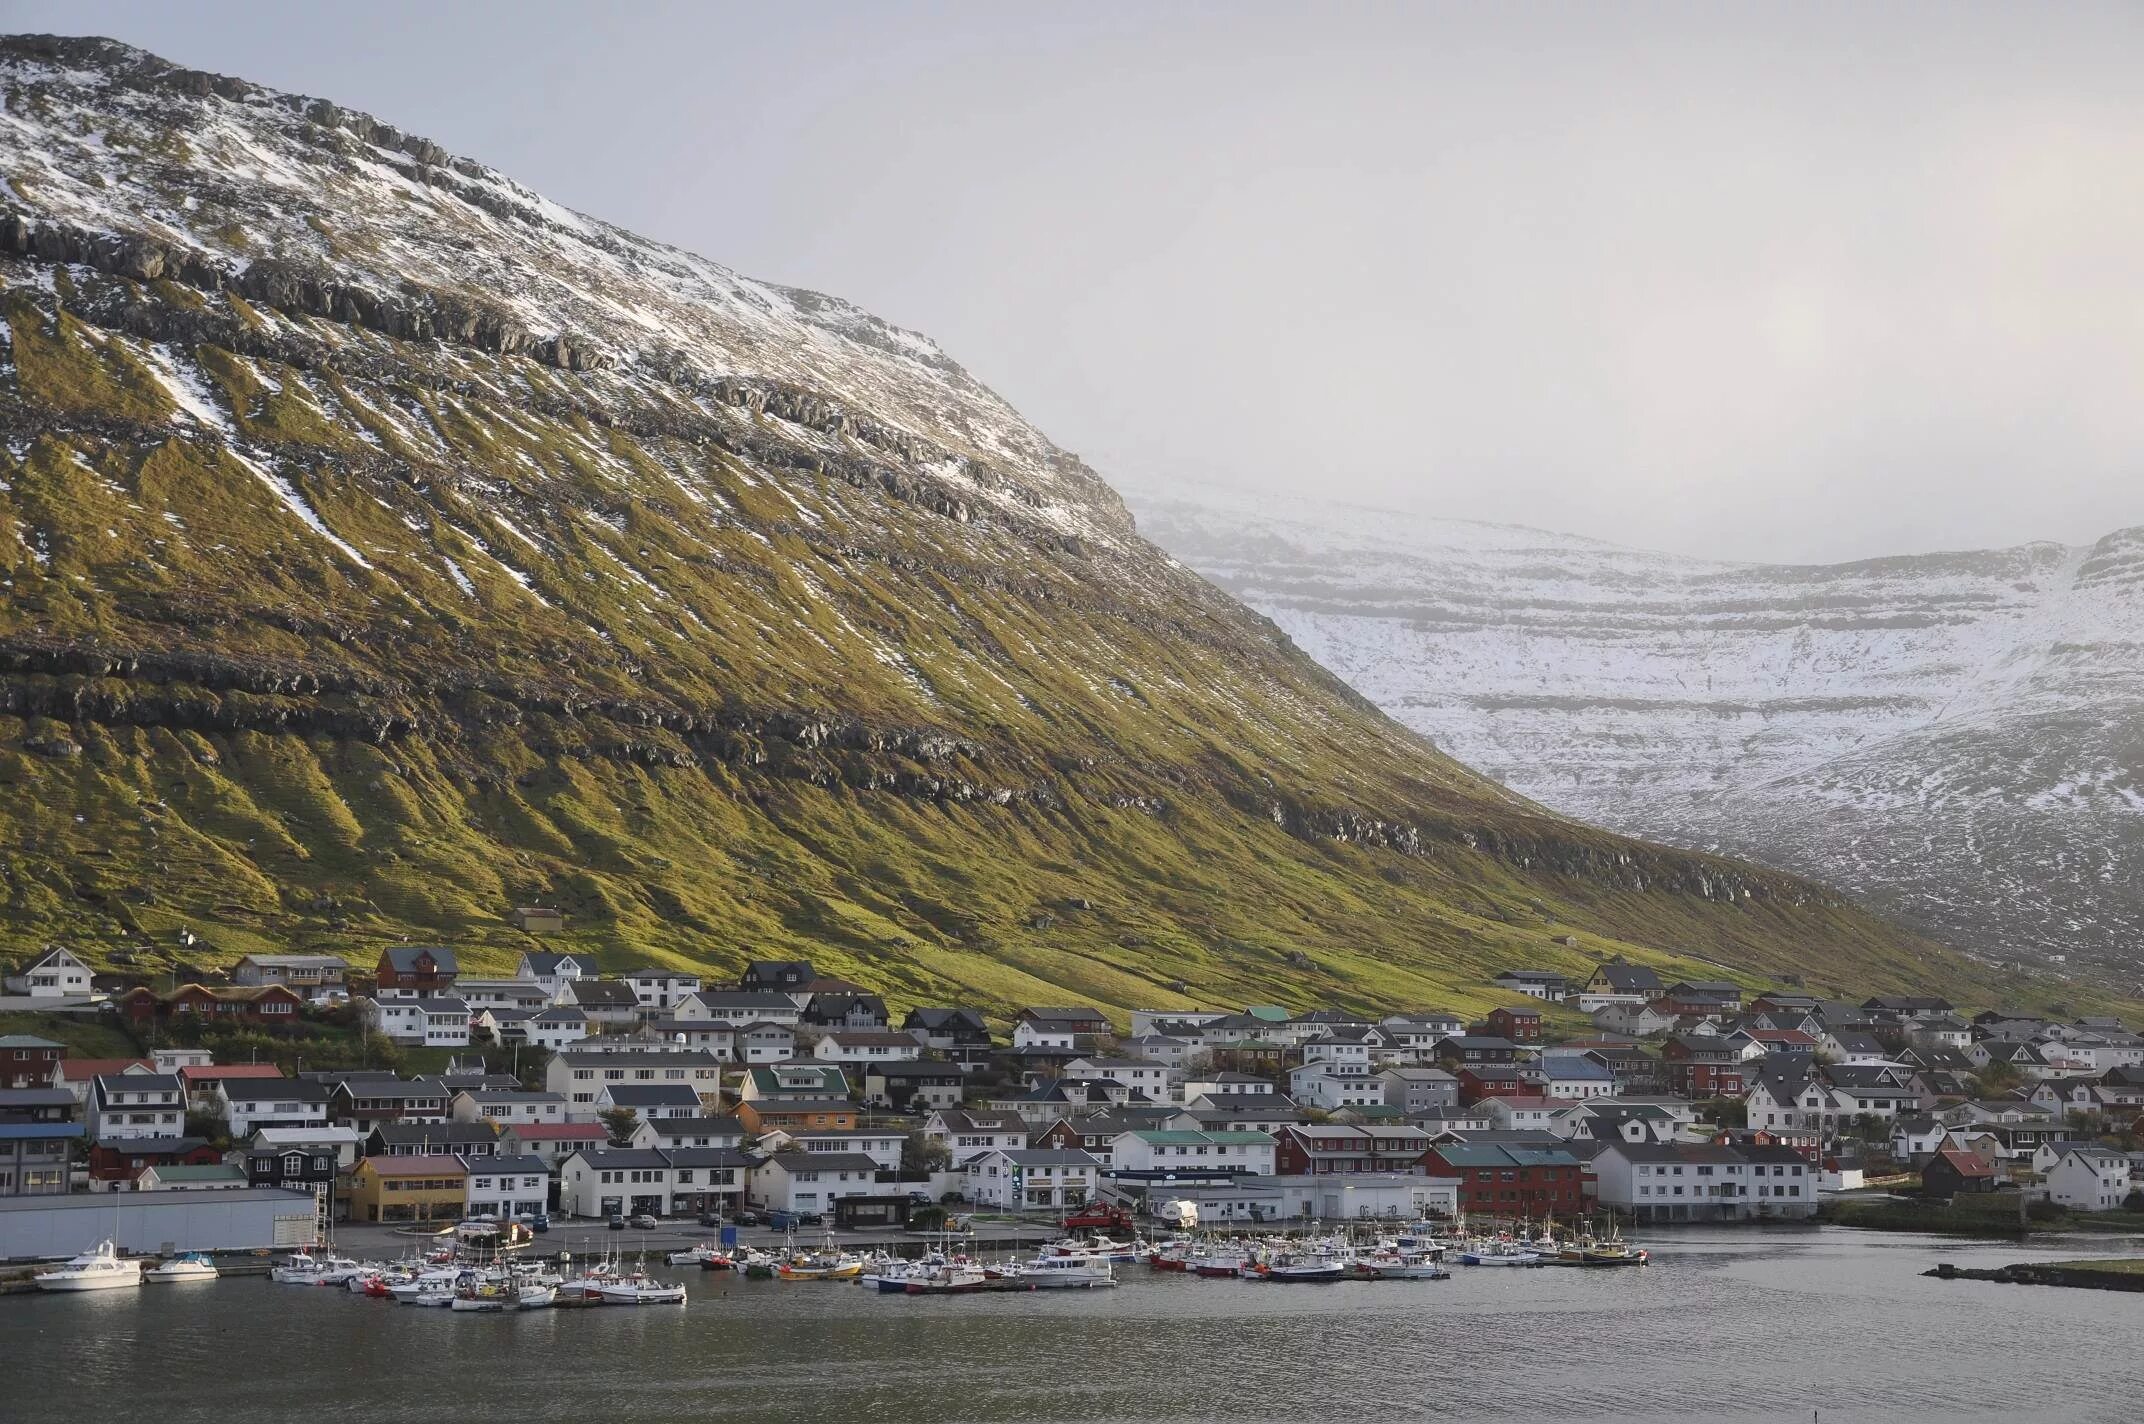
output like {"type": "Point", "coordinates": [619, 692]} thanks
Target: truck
{"type": "Point", "coordinates": [1099, 1216]}
{"type": "Point", "coordinates": [1183, 1215]}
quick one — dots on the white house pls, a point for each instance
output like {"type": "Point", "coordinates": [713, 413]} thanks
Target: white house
{"type": "Point", "coordinates": [662, 989]}
{"type": "Point", "coordinates": [650, 1100]}
{"type": "Point", "coordinates": [2091, 1179]}
{"type": "Point", "coordinates": [507, 1186]}
{"type": "Point", "coordinates": [1050, 1033]}
{"type": "Point", "coordinates": [740, 1006]}
{"type": "Point", "coordinates": [813, 1181]}
{"type": "Point", "coordinates": [967, 1134]}
{"type": "Point", "coordinates": [614, 1181]}
{"type": "Point", "coordinates": [441, 1021]}
{"type": "Point", "coordinates": [556, 1027]}
{"type": "Point", "coordinates": [343, 1141]}
{"type": "Point", "coordinates": [1680, 1181]}
{"type": "Point", "coordinates": [1032, 1178]}
{"type": "Point", "coordinates": [581, 1072]}
{"type": "Point", "coordinates": [136, 1105]}
{"type": "Point", "coordinates": [1228, 1085]}
{"type": "Point", "coordinates": [1522, 1114]}
{"type": "Point", "coordinates": [668, 1133]}
{"type": "Point", "coordinates": [1348, 1045]}
{"type": "Point", "coordinates": [1535, 984]}
{"type": "Point", "coordinates": [249, 1105]}
{"type": "Point", "coordinates": [1331, 1086]}
{"type": "Point", "coordinates": [480, 994]}
{"type": "Point", "coordinates": [1154, 1021]}
{"type": "Point", "coordinates": [56, 974]}
{"type": "Point", "coordinates": [503, 1106]}
{"type": "Point", "coordinates": [881, 1145]}
{"type": "Point", "coordinates": [1138, 1074]}
{"type": "Point", "coordinates": [1160, 1150]}
{"type": "Point", "coordinates": [865, 1045]}
{"type": "Point", "coordinates": [552, 971]}
{"type": "Point", "coordinates": [766, 1042]}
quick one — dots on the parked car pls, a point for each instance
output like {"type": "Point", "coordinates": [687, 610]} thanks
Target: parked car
{"type": "Point", "coordinates": [617, 1222]}
{"type": "Point", "coordinates": [749, 1217]}
{"type": "Point", "coordinates": [644, 1222]}
{"type": "Point", "coordinates": [922, 1199]}
{"type": "Point", "coordinates": [710, 1218]}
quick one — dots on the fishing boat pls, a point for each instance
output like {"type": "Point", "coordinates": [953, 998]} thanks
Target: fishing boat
{"type": "Point", "coordinates": [1289, 1267]}
{"type": "Point", "coordinates": [192, 1266]}
{"type": "Point", "coordinates": [827, 1264]}
{"type": "Point", "coordinates": [99, 1268]}
{"type": "Point", "coordinates": [952, 1278]}
{"type": "Point", "coordinates": [639, 1288]}
{"type": "Point", "coordinates": [1500, 1253]}
{"type": "Point", "coordinates": [306, 1270]}
{"type": "Point", "coordinates": [1379, 1266]}
{"type": "Point", "coordinates": [1052, 1272]}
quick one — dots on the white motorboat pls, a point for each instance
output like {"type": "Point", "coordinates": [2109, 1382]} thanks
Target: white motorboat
{"type": "Point", "coordinates": [1501, 1253]}
{"type": "Point", "coordinates": [639, 1288]}
{"type": "Point", "coordinates": [1068, 1273]}
{"type": "Point", "coordinates": [101, 1268]}
{"type": "Point", "coordinates": [193, 1266]}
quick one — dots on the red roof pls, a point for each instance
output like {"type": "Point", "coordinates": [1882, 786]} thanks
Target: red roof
{"type": "Point", "coordinates": [555, 1131]}
{"type": "Point", "coordinates": [1968, 1165]}
{"type": "Point", "coordinates": [215, 1072]}
{"type": "Point", "coordinates": [435, 1164]}
{"type": "Point", "coordinates": [81, 1070]}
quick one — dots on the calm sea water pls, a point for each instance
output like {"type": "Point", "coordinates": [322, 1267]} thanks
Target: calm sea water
{"type": "Point", "coordinates": [1725, 1326]}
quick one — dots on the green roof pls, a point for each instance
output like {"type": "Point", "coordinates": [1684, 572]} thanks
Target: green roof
{"type": "Point", "coordinates": [1271, 1013]}
{"type": "Point", "coordinates": [213, 1172]}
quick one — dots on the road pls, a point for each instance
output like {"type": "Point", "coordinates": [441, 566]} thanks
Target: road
{"type": "Point", "coordinates": [593, 1236]}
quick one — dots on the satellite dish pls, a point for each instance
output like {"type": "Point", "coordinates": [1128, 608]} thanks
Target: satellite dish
{"type": "Point", "coordinates": [680, 1040]}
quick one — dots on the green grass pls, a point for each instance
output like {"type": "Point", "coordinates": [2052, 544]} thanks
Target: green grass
{"type": "Point", "coordinates": [608, 739]}
{"type": "Point", "coordinates": [86, 1035]}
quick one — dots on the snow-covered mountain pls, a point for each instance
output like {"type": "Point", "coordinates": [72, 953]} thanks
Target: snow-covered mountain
{"type": "Point", "coordinates": [1957, 737]}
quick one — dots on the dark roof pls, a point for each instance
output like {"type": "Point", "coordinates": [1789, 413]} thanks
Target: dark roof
{"type": "Point", "coordinates": [651, 1095]}
{"type": "Point", "coordinates": [611, 1157]}
{"type": "Point", "coordinates": [403, 958]}
{"type": "Point", "coordinates": [301, 1090]}
{"type": "Point", "coordinates": [440, 1134]}
{"type": "Point", "coordinates": [697, 1127]}
{"type": "Point", "coordinates": [752, 1000]}
{"type": "Point", "coordinates": [603, 994]}
{"type": "Point", "coordinates": [706, 1157]}
{"type": "Point", "coordinates": [140, 1082]}
{"type": "Point", "coordinates": [824, 1161]}
{"type": "Point", "coordinates": [523, 1162]}
{"type": "Point", "coordinates": [930, 1017]}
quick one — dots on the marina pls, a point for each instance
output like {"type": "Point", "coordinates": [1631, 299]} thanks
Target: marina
{"type": "Point", "coordinates": [1765, 1326]}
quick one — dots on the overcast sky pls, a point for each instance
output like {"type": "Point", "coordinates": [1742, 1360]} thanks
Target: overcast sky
{"type": "Point", "coordinates": [1775, 282]}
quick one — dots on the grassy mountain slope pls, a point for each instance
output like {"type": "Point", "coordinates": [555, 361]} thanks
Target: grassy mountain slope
{"type": "Point", "coordinates": [381, 547]}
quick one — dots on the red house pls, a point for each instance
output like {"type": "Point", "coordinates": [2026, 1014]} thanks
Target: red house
{"type": "Point", "coordinates": [1702, 1067]}
{"type": "Point", "coordinates": [1488, 1080]}
{"type": "Point", "coordinates": [117, 1161]}
{"type": "Point", "coordinates": [258, 1003]}
{"type": "Point", "coordinates": [417, 969]}
{"type": "Point", "coordinates": [27, 1061]}
{"type": "Point", "coordinates": [1520, 1025]}
{"type": "Point", "coordinates": [1513, 1182]}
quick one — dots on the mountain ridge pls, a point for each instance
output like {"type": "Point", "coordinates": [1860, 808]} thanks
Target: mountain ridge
{"type": "Point", "coordinates": [384, 546]}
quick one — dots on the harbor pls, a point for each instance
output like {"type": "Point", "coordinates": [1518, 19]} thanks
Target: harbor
{"type": "Point", "coordinates": [1766, 1326]}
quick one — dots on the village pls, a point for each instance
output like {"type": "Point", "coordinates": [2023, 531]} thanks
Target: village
{"type": "Point", "coordinates": [789, 1099]}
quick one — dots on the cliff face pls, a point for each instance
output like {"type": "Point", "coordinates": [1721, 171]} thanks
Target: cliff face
{"type": "Point", "coordinates": [1955, 737]}
{"type": "Point", "coordinates": [383, 545]}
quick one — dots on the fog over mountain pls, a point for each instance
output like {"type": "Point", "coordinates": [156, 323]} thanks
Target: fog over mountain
{"type": "Point", "coordinates": [1956, 737]}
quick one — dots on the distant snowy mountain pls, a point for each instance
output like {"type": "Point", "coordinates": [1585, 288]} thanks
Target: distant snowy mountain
{"type": "Point", "coordinates": [1956, 737]}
